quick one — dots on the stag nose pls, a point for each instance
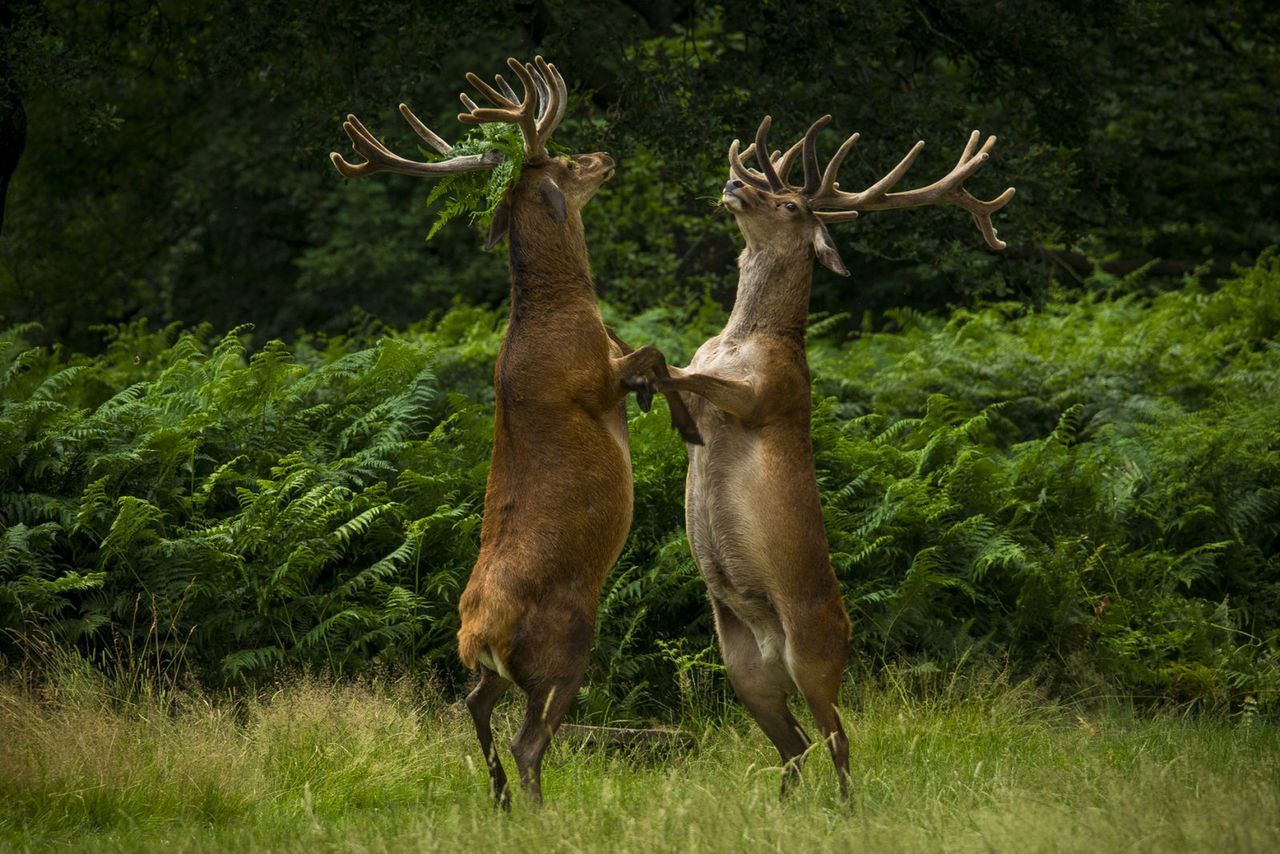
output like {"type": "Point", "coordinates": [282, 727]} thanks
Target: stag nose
{"type": "Point", "coordinates": [732, 184]}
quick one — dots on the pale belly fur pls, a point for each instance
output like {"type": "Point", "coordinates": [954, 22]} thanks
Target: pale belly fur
{"type": "Point", "coordinates": [729, 529]}
{"type": "Point", "coordinates": [728, 514]}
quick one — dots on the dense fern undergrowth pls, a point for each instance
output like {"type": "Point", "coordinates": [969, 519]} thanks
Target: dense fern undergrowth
{"type": "Point", "coordinates": [1088, 493]}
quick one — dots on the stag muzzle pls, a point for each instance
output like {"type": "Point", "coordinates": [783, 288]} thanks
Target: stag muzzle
{"type": "Point", "coordinates": [604, 163]}
{"type": "Point", "coordinates": [730, 196]}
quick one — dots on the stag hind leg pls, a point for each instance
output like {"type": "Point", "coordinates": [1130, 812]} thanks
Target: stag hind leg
{"type": "Point", "coordinates": [816, 654]}
{"type": "Point", "coordinates": [549, 672]}
{"type": "Point", "coordinates": [548, 705]}
{"type": "Point", "coordinates": [480, 703]}
{"type": "Point", "coordinates": [763, 687]}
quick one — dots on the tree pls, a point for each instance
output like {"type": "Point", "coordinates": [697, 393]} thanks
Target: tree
{"type": "Point", "coordinates": [176, 164]}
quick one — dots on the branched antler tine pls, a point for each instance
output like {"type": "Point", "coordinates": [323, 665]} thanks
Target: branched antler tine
{"type": "Point", "coordinates": [829, 217]}
{"type": "Point", "coordinates": [366, 145]}
{"type": "Point", "coordinates": [481, 115]}
{"type": "Point", "coordinates": [745, 154]}
{"type": "Point", "coordinates": [827, 188]}
{"type": "Point", "coordinates": [544, 93]}
{"type": "Point", "coordinates": [945, 186]}
{"type": "Point", "coordinates": [811, 176]}
{"type": "Point", "coordinates": [990, 206]}
{"type": "Point", "coordinates": [876, 192]}
{"type": "Point", "coordinates": [986, 146]}
{"type": "Point", "coordinates": [423, 131]}
{"type": "Point", "coordinates": [382, 159]}
{"type": "Point", "coordinates": [345, 169]}
{"type": "Point", "coordinates": [534, 143]}
{"type": "Point", "coordinates": [358, 133]}
{"type": "Point", "coordinates": [744, 174]}
{"type": "Point", "coordinates": [949, 189]}
{"type": "Point", "coordinates": [788, 160]}
{"type": "Point", "coordinates": [507, 91]}
{"type": "Point", "coordinates": [495, 97]}
{"type": "Point", "coordinates": [879, 188]}
{"type": "Point", "coordinates": [967, 155]}
{"type": "Point", "coordinates": [362, 142]}
{"type": "Point", "coordinates": [762, 155]}
{"type": "Point", "coordinates": [981, 212]}
{"type": "Point", "coordinates": [468, 103]}
{"type": "Point", "coordinates": [559, 96]}
{"type": "Point", "coordinates": [743, 157]}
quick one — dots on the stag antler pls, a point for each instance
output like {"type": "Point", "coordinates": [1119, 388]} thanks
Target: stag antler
{"type": "Point", "coordinates": [824, 191]}
{"type": "Point", "coordinates": [379, 158]}
{"type": "Point", "coordinates": [537, 114]}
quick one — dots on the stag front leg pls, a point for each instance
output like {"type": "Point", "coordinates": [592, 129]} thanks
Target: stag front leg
{"type": "Point", "coordinates": [737, 397]}
{"type": "Point", "coordinates": [638, 371]}
{"type": "Point", "coordinates": [625, 362]}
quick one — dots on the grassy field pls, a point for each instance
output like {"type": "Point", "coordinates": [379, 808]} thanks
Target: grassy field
{"type": "Point", "coordinates": [974, 764]}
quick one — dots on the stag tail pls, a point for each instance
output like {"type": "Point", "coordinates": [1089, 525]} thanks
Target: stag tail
{"type": "Point", "coordinates": [469, 644]}
{"type": "Point", "coordinates": [488, 628]}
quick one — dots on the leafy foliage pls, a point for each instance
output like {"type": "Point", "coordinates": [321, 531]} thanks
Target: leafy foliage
{"type": "Point", "coordinates": [261, 508]}
{"type": "Point", "coordinates": [479, 193]}
{"type": "Point", "coordinates": [1133, 130]}
{"type": "Point", "coordinates": [1086, 492]}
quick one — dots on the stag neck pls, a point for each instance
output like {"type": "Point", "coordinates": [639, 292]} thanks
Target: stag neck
{"type": "Point", "coordinates": [548, 260]}
{"type": "Point", "coordinates": [773, 293]}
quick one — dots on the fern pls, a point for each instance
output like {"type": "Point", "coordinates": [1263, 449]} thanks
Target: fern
{"type": "Point", "coordinates": [1087, 490]}
{"type": "Point", "coordinates": [478, 194]}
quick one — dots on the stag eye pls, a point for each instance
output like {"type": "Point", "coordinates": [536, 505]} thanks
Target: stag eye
{"type": "Point", "coordinates": [791, 206]}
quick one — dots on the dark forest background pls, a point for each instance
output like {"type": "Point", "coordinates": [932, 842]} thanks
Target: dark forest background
{"type": "Point", "coordinates": [175, 162]}
{"type": "Point", "coordinates": [248, 400]}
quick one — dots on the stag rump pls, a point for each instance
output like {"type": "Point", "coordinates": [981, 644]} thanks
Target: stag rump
{"type": "Point", "coordinates": [559, 497]}
{"type": "Point", "coordinates": [752, 508]}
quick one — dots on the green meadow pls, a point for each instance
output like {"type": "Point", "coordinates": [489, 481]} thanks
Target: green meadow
{"type": "Point", "coordinates": [973, 763]}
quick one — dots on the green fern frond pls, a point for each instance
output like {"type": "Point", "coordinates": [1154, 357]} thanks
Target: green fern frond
{"type": "Point", "coordinates": [478, 194]}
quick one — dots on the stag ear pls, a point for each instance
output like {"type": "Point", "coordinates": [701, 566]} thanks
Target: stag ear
{"type": "Point", "coordinates": [826, 250]}
{"type": "Point", "coordinates": [501, 224]}
{"type": "Point", "coordinates": [555, 198]}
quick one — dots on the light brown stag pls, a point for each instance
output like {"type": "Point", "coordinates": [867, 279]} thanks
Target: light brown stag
{"type": "Point", "coordinates": [559, 497]}
{"type": "Point", "coordinates": [751, 498]}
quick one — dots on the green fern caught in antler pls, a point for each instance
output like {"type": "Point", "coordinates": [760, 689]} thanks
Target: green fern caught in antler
{"type": "Point", "coordinates": [478, 194]}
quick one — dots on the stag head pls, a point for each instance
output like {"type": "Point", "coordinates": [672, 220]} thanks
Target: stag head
{"type": "Point", "coordinates": [554, 188]}
{"type": "Point", "coordinates": [771, 211]}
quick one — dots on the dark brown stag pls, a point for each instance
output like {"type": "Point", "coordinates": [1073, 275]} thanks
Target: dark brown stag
{"type": "Point", "coordinates": [752, 509]}
{"type": "Point", "coordinates": [559, 497]}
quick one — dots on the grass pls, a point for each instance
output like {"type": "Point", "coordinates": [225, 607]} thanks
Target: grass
{"type": "Point", "coordinates": [968, 765]}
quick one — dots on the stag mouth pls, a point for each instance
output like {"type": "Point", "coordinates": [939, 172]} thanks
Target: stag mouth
{"type": "Point", "coordinates": [605, 166]}
{"type": "Point", "coordinates": [732, 200]}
